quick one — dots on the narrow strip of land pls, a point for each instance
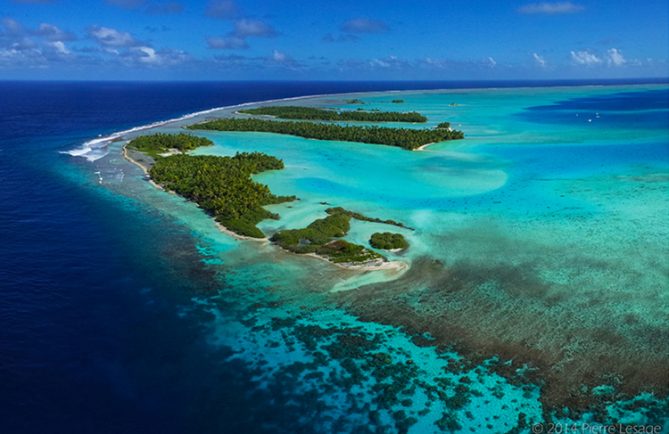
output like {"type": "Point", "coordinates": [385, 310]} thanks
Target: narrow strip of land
{"type": "Point", "coordinates": [362, 217]}
{"type": "Point", "coordinates": [405, 138]}
{"type": "Point", "coordinates": [312, 113]}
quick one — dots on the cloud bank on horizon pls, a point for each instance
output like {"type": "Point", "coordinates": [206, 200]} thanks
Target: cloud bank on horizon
{"type": "Point", "coordinates": [369, 39]}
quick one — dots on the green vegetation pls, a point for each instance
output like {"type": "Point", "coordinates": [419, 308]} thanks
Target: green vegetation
{"type": "Point", "coordinates": [354, 101]}
{"type": "Point", "coordinates": [157, 144]}
{"type": "Point", "coordinates": [401, 137]}
{"type": "Point", "coordinates": [444, 125]}
{"type": "Point", "coordinates": [397, 101]}
{"type": "Point", "coordinates": [358, 216]}
{"type": "Point", "coordinates": [320, 237]}
{"type": "Point", "coordinates": [312, 113]}
{"type": "Point", "coordinates": [388, 241]}
{"type": "Point", "coordinates": [223, 187]}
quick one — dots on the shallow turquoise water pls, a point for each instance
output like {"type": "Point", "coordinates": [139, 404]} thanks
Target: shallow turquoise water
{"type": "Point", "coordinates": [579, 203]}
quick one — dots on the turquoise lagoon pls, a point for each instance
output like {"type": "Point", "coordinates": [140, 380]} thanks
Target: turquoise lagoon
{"type": "Point", "coordinates": [538, 264]}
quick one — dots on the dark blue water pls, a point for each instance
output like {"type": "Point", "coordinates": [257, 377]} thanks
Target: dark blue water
{"type": "Point", "coordinates": [644, 109]}
{"type": "Point", "coordinates": [91, 285]}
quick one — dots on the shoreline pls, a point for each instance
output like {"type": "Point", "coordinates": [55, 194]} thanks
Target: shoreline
{"type": "Point", "coordinates": [423, 147]}
{"type": "Point", "coordinates": [160, 187]}
{"type": "Point", "coordinates": [264, 240]}
{"type": "Point", "coordinates": [103, 141]}
{"type": "Point", "coordinates": [375, 265]}
{"type": "Point", "coordinates": [141, 166]}
{"type": "Point", "coordinates": [365, 266]}
{"type": "Point", "coordinates": [396, 315]}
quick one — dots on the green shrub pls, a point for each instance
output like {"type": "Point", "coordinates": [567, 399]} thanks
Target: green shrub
{"type": "Point", "coordinates": [157, 144]}
{"type": "Point", "coordinates": [223, 187]}
{"type": "Point", "coordinates": [321, 237]}
{"type": "Point", "coordinates": [312, 113]}
{"type": "Point", "coordinates": [401, 137]}
{"type": "Point", "coordinates": [388, 241]}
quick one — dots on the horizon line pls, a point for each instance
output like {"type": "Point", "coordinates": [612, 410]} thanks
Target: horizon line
{"type": "Point", "coordinates": [505, 80]}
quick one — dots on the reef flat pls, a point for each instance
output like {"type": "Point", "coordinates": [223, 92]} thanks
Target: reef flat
{"type": "Point", "coordinates": [536, 258]}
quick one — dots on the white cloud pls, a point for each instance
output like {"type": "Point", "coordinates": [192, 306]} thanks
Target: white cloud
{"type": "Point", "coordinates": [379, 63]}
{"type": "Point", "coordinates": [111, 37]}
{"type": "Point", "coordinates": [492, 62]}
{"type": "Point", "coordinates": [434, 62]}
{"type": "Point", "coordinates": [46, 44]}
{"type": "Point", "coordinates": [585, 58]}
{"type": "Point", "coordinates": [389, 62]}
{"type": "Point", "coordinates": [127, 49]}
{"type": "Point", "coordinates": [615, 57]}
{"type": "Point", "coordinates": [31, 47]}
{"type": "Point", "coordinates": [53, 33]}
{"type": "Point", "coordinates": [550, 8]}
{"type": "Point", "coordinates": [279, 56]}
{"type": "Point", "coordinates": [244, 28]}
{"type": "Point", "coordinates": [147, 55]}
{"type": "Point", "coordinates": [248, 27]}
{"type": "Point", "coordinates": [539, 60]}
{"type": "Point", "coordinates": [11, 26]}
{"type": "Point", "coordinates": [60, 47]}
{"type": "Point", "coordinates": [227, 42]}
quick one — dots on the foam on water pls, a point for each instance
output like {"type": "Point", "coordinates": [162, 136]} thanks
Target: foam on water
{"type": "Point", "coordinates": [95, 149]}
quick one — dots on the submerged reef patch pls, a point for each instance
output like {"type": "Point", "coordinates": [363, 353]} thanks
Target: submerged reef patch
{"type": "Point", "coordinates": [511, 312]}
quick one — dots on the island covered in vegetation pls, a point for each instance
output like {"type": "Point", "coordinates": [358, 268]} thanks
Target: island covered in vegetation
{"type": "Point", "coordinates": [156, 144]}
{"type": "Point", "coordinates": [388, 241]}
{"type": "Point", "coordinates": [322, 237]}
{"type": "Point", "coordinates": [223, 187]}
{"type": "Point", "coordinates": [312, 113]}
{"type": "Point", "coordinates": [361, 217]}
{"type": "Point", "coordinates": [401, 137]}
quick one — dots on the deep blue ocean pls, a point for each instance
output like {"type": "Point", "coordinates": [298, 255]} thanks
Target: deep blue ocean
{"type": "Point", "coordinates": [91, 340]}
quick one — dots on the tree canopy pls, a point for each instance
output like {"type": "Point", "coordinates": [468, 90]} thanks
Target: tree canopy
{"type": "Point", "coordinates": [223, 187]}
{"type": "Point", "coordinates": [312, 113]}
{"type": "Point", "coordinates": [322, 238]}
{"type": "Point", "coordinates": [388, 241]}
{"type": "Point", "coordinates": [362, 217]}
{"type": "Point", "coordinates": [156, 144]}
{"type": "Point", "coordinates": [401, 137]}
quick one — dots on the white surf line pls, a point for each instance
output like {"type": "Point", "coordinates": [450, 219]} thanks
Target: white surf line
{"type": "Point", "coordinates": [87, 148]}
{"type": "Point", "coordinates": [102, 142]}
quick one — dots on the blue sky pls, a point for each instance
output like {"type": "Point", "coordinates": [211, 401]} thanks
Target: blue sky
{"type": "Point", "coordinates": [346, 39]}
